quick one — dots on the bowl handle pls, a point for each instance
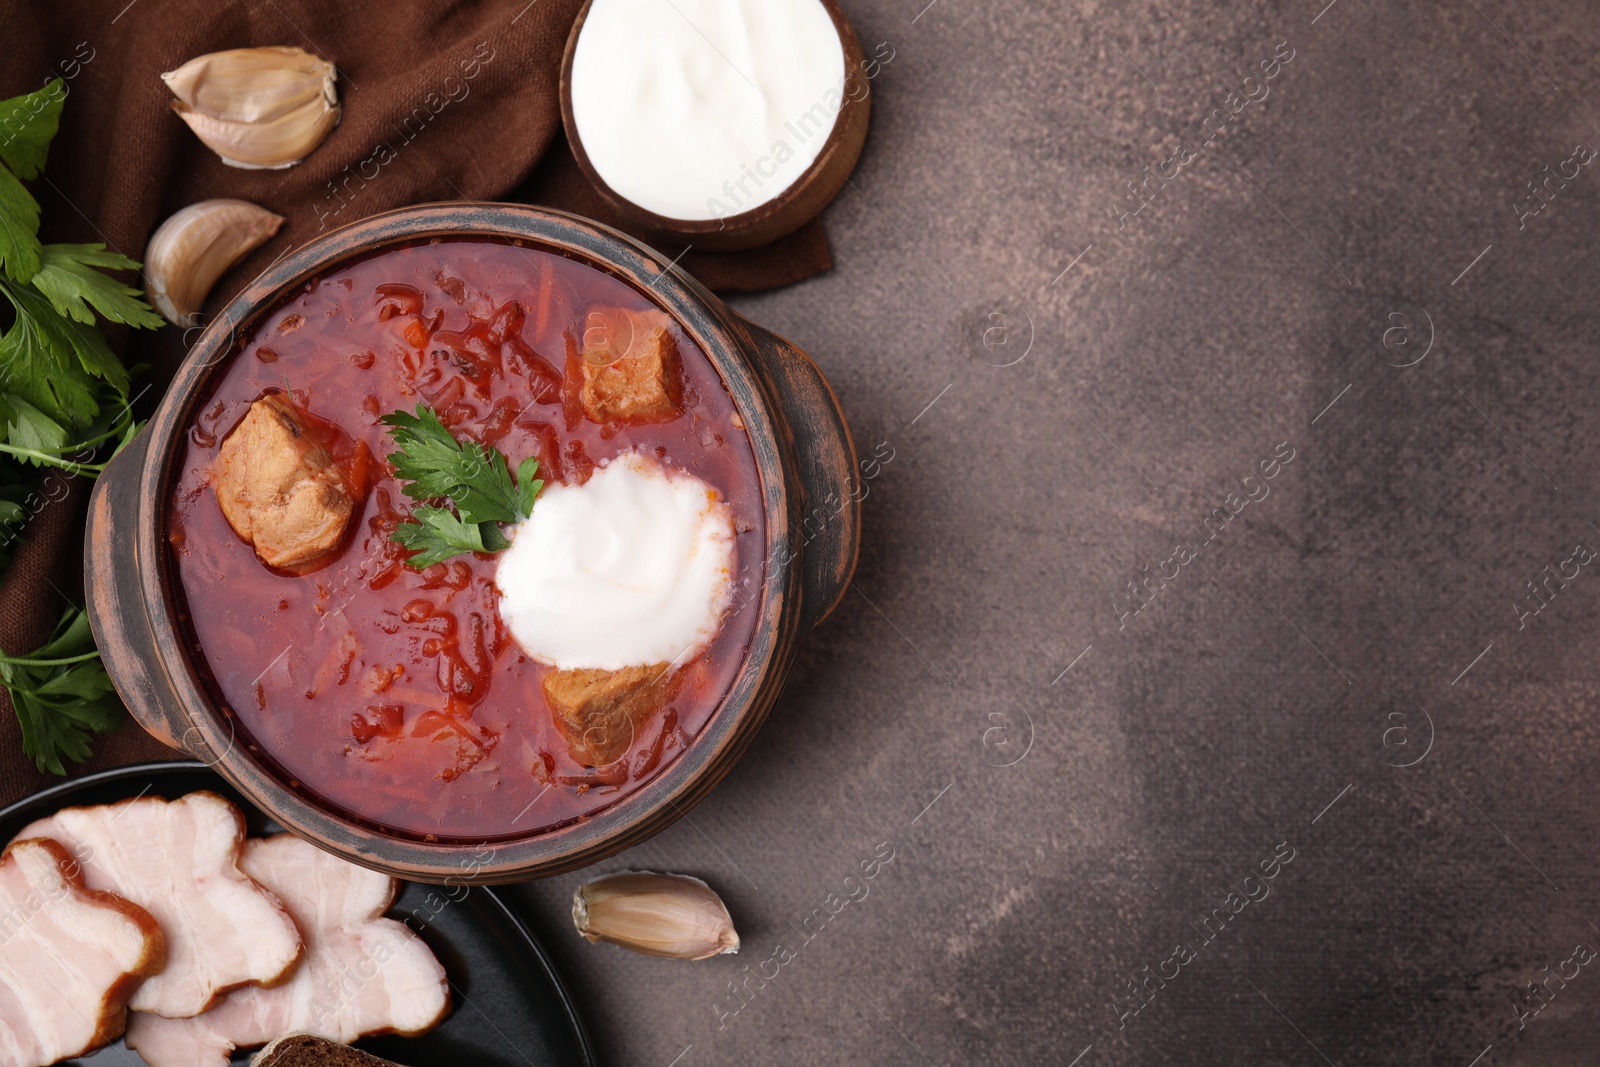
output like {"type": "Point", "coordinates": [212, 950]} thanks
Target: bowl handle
{"type": "Point", "coordinates": [117, 615]}
{"type": "Point", "coordinates": [826, 527]}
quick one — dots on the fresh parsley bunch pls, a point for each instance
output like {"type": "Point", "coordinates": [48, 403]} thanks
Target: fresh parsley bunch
{"type": "Point", "coordinates": [64, 404]}
{"type": "Point", "coordinates": [62, 694]}
{"type": "Point", "coordinates": [63, 392]}
{"type": "Point", "coordinates": [475, 477]}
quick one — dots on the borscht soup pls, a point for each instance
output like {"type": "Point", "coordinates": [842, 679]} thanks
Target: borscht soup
{"type": "Point", "coordinates": [468, 540]}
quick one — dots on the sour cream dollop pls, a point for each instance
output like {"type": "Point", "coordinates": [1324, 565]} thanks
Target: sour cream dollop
{"type": "Point", "coordinates": [632, 568]}
{"type": "Point", "coordinates": [703, 109]}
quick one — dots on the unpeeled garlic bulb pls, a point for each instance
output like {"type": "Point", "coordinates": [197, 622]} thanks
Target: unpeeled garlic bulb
{"type": "Point", "coordinates": [257, 108]}
{"type": "Point", "coordinates": [191, 250]}
{"type": "Point", "coordinates": [669, 915]}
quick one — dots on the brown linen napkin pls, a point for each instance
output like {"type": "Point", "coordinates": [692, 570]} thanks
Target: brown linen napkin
{"type": "Point", "coordinates": [442, 101]}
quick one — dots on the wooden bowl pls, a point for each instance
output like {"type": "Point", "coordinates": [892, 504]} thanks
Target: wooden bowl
{"type": "Point", "coordinates": [807, 466]}
{"type": "Point", "coordinates": [783, 214]}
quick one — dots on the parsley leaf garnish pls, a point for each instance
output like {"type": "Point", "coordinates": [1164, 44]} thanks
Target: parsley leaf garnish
{"type": "Point", "coordinates": [476, 478]}
{"type": "Point", "coordinates": [436, 535]}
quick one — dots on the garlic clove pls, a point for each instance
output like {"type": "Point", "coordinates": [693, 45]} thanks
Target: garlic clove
{"type": "Point", "coordinates": [271, 145]}
{"type": "Point", "coordinates": [191, 250]}
{"type": "Point", "coordinates": [257, 108]}
{"type": "Point", "coordinates": [253, 84]}
{"type": "Point", "coordinates": [669, 915]}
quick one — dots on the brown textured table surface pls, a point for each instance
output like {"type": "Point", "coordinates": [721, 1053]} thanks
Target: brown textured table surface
{"type": "Point", "coordinates": [1366, 608]}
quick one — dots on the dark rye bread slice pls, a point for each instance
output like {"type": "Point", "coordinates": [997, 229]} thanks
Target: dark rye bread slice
{"type": "Point", "coordinates": [303, 1050]}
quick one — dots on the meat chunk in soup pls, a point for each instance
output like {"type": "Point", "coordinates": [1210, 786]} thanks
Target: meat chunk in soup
{"type": "Point", "coordinates": [599, 712]}
{"type": "Point", "coordinates": [631, 370]}
{"type": "Point", "coordinates": [279, 489]}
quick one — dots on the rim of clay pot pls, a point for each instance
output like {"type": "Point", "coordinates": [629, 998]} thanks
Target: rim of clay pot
{"type": "Point", "coordinates": [632, 817]}
{"type": "Point", "coordinates": [799, 203]}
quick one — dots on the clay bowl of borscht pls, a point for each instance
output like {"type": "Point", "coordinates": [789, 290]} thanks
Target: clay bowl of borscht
{"type": "Point", "coordinates": [330, 568]}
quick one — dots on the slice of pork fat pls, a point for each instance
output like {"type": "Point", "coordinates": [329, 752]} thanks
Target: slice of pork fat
{"type": "Point", "coordinates": [69, 956]}
{"type": "Point", "coordinates": [179, 860]}
{"type": "Point", "coordinates": [361, 973]}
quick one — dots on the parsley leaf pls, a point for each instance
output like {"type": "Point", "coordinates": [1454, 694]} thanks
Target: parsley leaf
{"type": "Point", "coordinates": [42, 359]}
{"type": "Point", "coordinates": [494, 497]}
{"type": "Point", "coordinates": [478, 479]}
{"type": "Point", "coordinates": [61, 694]}
{"type": "Point", "coordinates": [28, 427]}
{"type": "Point", "coordinates": [67, 276]}
{"type": "Point", "coordinates": [19, 228]}
{"type": "Point", "coordinates": [28, 124]}
{"type": "Point", "coordinates": [527, 485]}
{"type": "Point", "coordinates": [431, 459]}
{"type": "Point", "coordinates": [475, 477]}
{"type": "Point", "coordinates": [436, 535]}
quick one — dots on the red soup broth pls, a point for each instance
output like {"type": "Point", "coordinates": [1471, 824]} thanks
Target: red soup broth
{"type": "Point", "coordinates": [400, 696]}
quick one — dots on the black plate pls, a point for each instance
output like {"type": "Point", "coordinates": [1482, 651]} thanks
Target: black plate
{"type": "Point", "coordinates": [509, 1005]}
